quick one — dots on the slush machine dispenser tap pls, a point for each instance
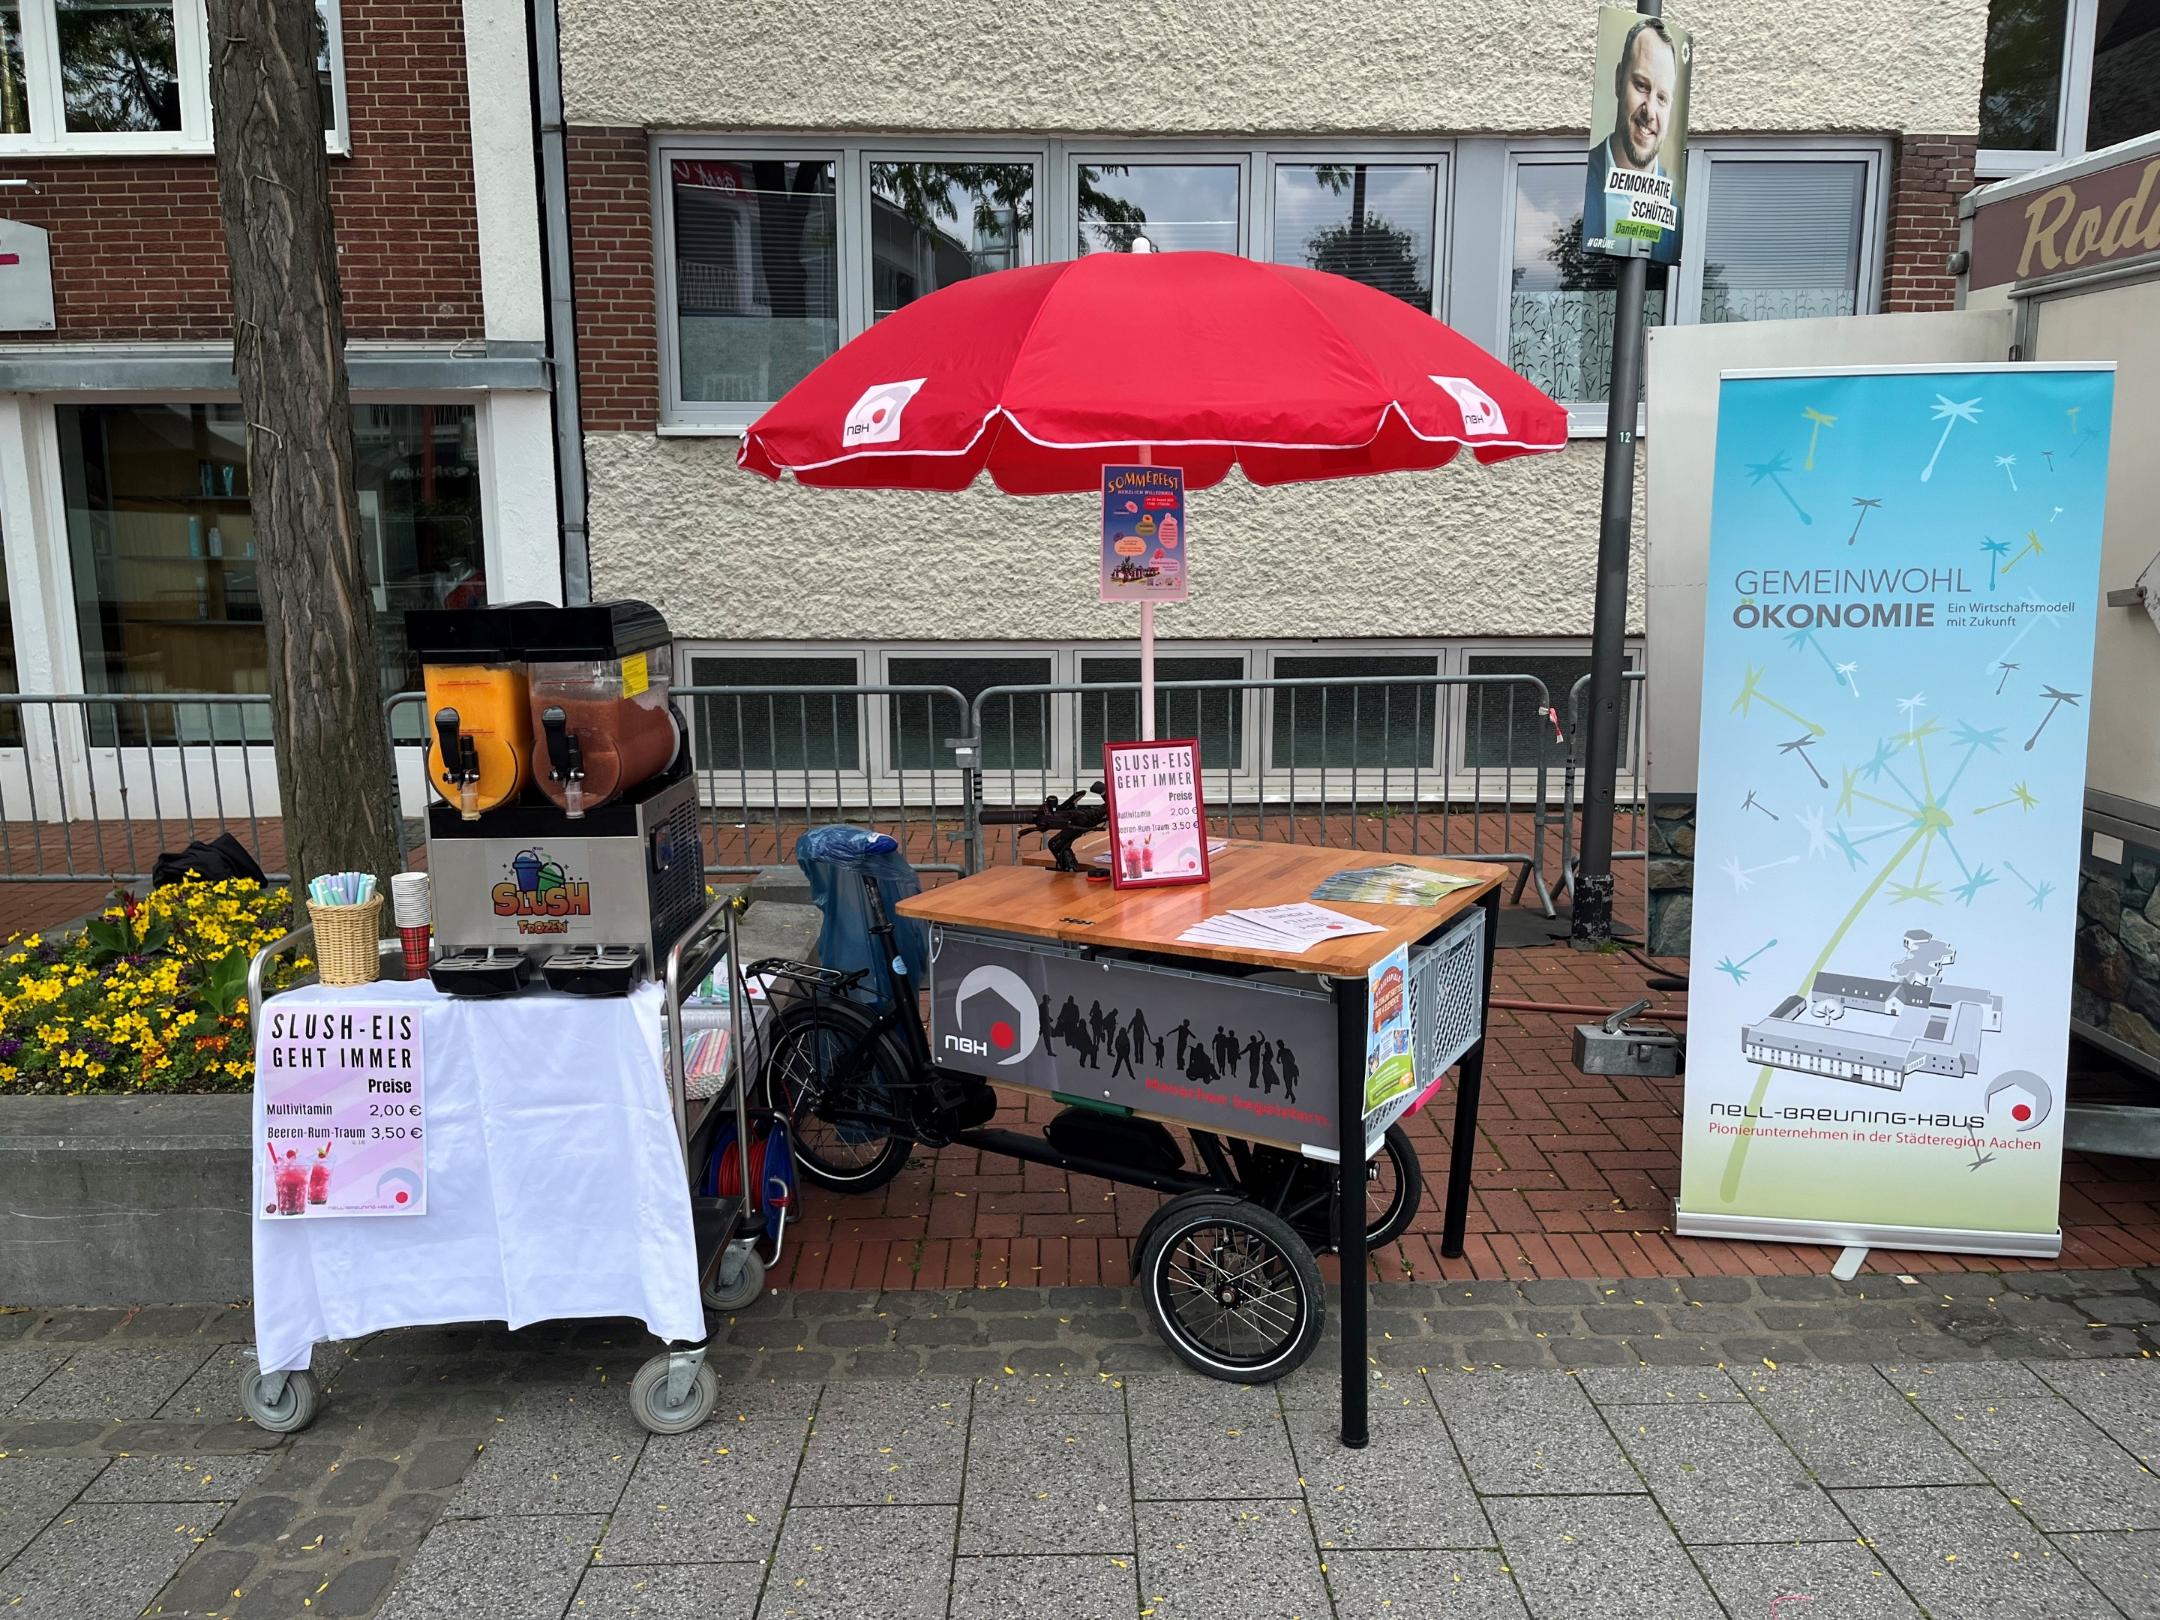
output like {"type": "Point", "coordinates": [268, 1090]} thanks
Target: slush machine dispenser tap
{"type": "Point", "coordinates": [460, 762]}
{"type": "Point", "coordinates": [566, 762]}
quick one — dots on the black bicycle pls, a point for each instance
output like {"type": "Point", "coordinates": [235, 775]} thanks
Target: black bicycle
{"type": "Point", "coordinates": [1226, 1266]}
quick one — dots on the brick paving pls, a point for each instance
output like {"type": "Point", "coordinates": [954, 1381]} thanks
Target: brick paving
{"type": "Point", "coordinates": [1978, 1445]}
{"type": "Point", "coordinates": [1574, 1178]}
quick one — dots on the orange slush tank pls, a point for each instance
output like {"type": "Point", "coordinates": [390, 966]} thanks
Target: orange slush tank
{"type": "Point", "coordinates": [479, 713]}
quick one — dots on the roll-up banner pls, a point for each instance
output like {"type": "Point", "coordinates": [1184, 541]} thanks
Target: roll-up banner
{"type": "Point", "coordinates": [1903, 576]}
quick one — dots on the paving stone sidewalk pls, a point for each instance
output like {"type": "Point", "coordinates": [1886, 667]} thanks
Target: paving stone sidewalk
{"type": "Point", "coordinates": [1966, 1445]}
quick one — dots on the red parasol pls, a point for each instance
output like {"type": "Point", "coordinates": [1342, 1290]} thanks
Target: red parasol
{"type": "Point", "coordinates": [1196, 360]}
{"type": "Point", "coordinates": [1200, 360]}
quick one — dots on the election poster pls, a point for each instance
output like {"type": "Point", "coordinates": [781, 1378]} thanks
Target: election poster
{"type": "Point", "coordinates": [1638, 137]}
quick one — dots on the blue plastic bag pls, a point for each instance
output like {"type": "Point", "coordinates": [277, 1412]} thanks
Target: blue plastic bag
{"type": "Point", "coordinates": [836, 860]}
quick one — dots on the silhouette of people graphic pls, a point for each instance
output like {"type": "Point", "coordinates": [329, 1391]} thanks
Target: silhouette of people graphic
{"type": "Point", "coordinates": [1286, 1060]}
{"type": "Point", "coordinates": [1267, 1068]}
{"type": "Point", "coordinates": [1253, 1049]}
{"type": "Point", "coordinates": [1198, 1068]}
{"type": "Point", "coordinates": [1099, 1023]}
{"type": "Point", "coordinates": [1140, 1033]}
{"type": "Point", "coordinates": [1122, 1048]}
{"type": "Point", "coordinates": [1068, 1025]}
{"type": "Point", "coordinates": [1222, 1035]}
{"type": "Point", "coordinates": [1184, 1033]}
{"type": "Point", "coordinates": [1158, 1048]}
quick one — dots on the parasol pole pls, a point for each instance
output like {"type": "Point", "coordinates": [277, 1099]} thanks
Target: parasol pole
{"type": "Point", "coordinates": [1147, 643]}
{"type": "Point", "coordinates": [1141, 244]}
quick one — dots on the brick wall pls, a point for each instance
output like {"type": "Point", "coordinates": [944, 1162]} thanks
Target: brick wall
{"type": "Point", "coordinates": [611, 222]}
{"type": "Point", "coordinates": [1931, 173]}
{"type": "Point", "coordinates": [138, 252]}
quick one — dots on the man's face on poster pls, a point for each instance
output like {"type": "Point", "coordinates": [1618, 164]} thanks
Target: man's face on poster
{"type": "Point", "coordinates": [1646, 91]}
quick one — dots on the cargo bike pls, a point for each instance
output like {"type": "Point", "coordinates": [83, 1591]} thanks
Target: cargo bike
{"type": "Point", "coordinates": [1226, 1266]}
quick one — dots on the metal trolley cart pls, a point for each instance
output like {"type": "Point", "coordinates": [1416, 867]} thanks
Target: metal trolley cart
{"type": "Point", "coordinates": [1042, 981]}
{"type": "Point", "coordinates": [675, 1390]}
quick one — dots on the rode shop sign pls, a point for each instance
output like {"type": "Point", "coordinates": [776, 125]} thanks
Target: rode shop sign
{"type": "Point", "coordinates": [340, 1095]}
{"type": "Point", "coordinates": [1898, 658]}
{"type": "Point", "coordinates": [1158, 826]}
{"type": "Point", "coordinates": [1144, 544]}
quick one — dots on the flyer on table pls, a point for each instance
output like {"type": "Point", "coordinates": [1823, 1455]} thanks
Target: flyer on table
{"type": "Point", "coordinates": [1143, 535]}
{"type": "Point", "coordinates": [1158, 829]}
{"type": "Point", "coordinates": [340, 1098]}
{"type": "Point", "coordinates": [1903, 572]}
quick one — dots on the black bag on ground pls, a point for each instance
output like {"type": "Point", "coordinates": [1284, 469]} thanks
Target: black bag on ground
{"type": "Point", "coordinates": [222, 857]}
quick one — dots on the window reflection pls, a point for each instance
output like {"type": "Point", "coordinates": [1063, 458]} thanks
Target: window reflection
{"type": "Point", "coordinates": [118, 67]}
{"type": "Point", "coordinates": [757, 275]}
{"type": "Point", "coordinates": [1560, 297]}
{"type": "Point", "coordinates": [1174, 205]}
{"type": "Point", "coordinates": [1371, 222]}
{"type": "Point", "coordinates": [934, 224]}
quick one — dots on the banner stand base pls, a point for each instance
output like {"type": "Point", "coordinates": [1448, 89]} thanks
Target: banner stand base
{"type": "Point", "coordinates": [1847, 1234]}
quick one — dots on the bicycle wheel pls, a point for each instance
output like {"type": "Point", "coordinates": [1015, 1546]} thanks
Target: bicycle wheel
{"type": "Point", "coordinates": [1394, 1188]}
{"type": "Point", "coordinates": [827, 1059]}
{"type": "Point", "coordinates": [1232, 1289]}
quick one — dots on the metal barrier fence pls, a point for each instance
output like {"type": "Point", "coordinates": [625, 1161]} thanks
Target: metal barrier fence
{"type": "Point", "coordinates": [1422, 764]}
{"type": "Point", "coordinates": [94, 786]}
{"type": "Point", "coordinates": [774, 761]}
{"type": "Point", "coordinates": [1632, 796]}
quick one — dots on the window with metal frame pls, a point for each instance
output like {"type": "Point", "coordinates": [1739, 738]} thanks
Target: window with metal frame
{"type": "Point", "coordinates": [1172, 205]}
{"type": "Point", "coordinates": [1502, 728]}
{"type": "Point", "coordinates": [1560, 298]}
{"type": "Point", "coordinates": [1017, 731]}
{"type": "Point", "coordinates": [768, 731]}
{"type": "Point", "coordinates": [1371, 222]}
{"type": "Point", "coordinates": [775, 250]}
{"type": "Point", "coordinates": [2064, 77]}
{"type": "Point", "coordinates": [129, 75]}
{"type": "Point", "coordinates": [1353, 728]}
{"type": "Point", "coordinates": [1216, 718]}
{"type": "Point", "coordinates": [1783, 238]}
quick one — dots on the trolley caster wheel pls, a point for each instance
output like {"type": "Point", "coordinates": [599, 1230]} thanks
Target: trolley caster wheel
{"type": "Point", "coordinates": [737, 1281]}
{"type": "Point", "coordinates": [652, 1407]}
{"type": "Point", "coordinates": [1232, 1289]}
{"type": "Point", "coordinates": [291, 1410]}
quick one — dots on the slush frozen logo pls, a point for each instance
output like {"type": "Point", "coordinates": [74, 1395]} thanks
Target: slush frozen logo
{"type": "Point", "coordinates": [2023, 1096]}
{"type": "Point", "coordinates": [1012, 1036]}
{"type": "Point", "coordinates": [875, 418]}
{"type": "Point", "coordinates": [1480, 411]}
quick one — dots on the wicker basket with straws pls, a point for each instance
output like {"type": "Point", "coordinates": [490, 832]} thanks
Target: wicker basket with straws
{"type": "Point", "coordinates": [347, 914]}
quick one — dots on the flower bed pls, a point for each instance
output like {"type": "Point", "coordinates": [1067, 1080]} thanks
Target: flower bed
{"type": "Point", "coordinates": [150, 997]}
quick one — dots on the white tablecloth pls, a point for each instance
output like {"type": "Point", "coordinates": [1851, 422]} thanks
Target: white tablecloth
{"type": "Point", "coordinates": [555, 1183]}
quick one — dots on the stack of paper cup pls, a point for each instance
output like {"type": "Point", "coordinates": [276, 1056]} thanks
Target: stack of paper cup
{"type": "Point", "coordinates": [413, 906]}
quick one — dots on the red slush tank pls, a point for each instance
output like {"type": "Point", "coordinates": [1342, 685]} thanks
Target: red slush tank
{"type": "Point", "coordinates": [602, 723]}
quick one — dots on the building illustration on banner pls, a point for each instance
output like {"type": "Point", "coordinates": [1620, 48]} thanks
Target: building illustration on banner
{"type": "Point", "coordinates": [1879, 1032]}
{"type": "Point", "coordinates": [1855, 1074]}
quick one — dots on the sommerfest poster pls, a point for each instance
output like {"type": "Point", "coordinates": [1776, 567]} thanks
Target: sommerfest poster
{"type": "Point", "coordinates": [1898, 654]}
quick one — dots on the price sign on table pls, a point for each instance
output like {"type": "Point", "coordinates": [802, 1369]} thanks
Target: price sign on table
{"type": "Point", "coordinates": [343, 1099]}
{"type": "Point", "coordinates": [1158, 826]}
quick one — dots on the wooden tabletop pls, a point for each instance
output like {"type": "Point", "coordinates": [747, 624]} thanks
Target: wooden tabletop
{"type": "Point", "coordinates": [1047, 904]}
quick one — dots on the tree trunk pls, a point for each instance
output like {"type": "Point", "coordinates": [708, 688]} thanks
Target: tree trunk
{"type": "Point", "coordinates": [326, 700]}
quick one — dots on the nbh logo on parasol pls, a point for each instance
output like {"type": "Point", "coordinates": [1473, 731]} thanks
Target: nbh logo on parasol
{"type": "Point", "coordinates": [1480, 411]}
{"type": "Point", "coordinates": [875, 418]}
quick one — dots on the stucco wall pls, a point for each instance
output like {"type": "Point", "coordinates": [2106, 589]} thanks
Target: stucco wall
{"type": "Point", "coordinates": [1208, 66]}
{"type": "Point", "coordinates": [1484, 551]}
